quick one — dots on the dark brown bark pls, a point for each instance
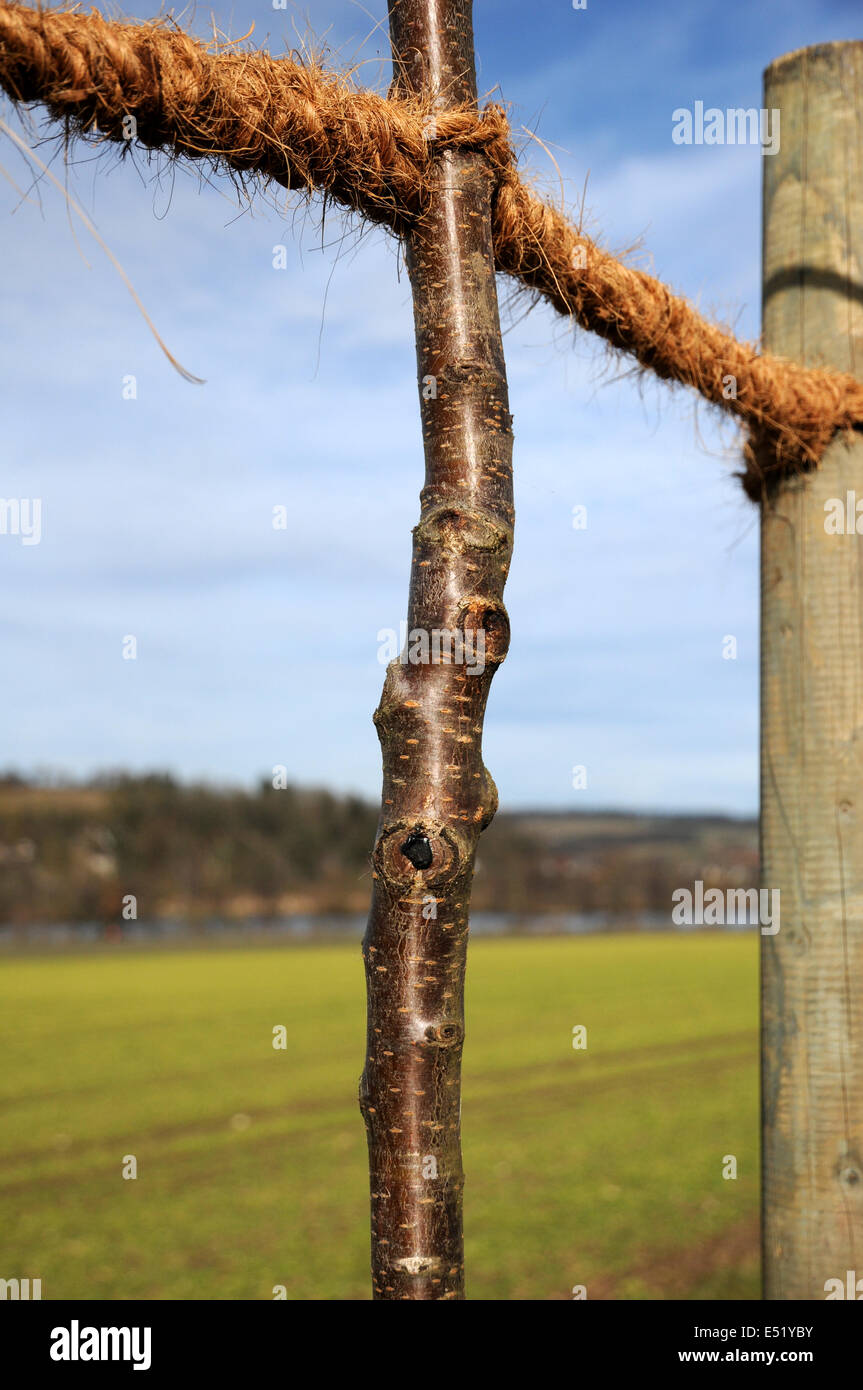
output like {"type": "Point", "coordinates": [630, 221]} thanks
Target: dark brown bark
{"type": "Point", "coordinates": [437, 795]}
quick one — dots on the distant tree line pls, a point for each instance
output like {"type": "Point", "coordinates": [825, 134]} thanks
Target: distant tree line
{"type": "Point", "coordinates": [152, 847]}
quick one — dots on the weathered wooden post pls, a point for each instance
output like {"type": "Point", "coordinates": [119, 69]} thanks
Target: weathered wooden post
{"type": "Point", "coordinates": [437, 795]}
{"type": "Point", "coordinates": [812, 697]}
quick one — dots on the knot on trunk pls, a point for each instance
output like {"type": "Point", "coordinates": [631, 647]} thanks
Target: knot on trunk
{"type": "Point", "coordinates": [445, 1034]}
{"type": "Point", "coordinates": [406, 852]}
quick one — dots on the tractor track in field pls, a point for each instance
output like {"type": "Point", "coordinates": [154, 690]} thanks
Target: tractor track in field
{"type": "Point", "coordinates": [95, 1088]}
{"type": "Point", "coordinates": [648, 1051]}
{"type": "Point", "coordinates": [676, 1271]}
{"type": "Point", "coordinates": [333, 1115]}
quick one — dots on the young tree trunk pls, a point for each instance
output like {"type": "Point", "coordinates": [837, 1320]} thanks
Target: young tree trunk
{"type": "Point", "coordinates": [437, 795]}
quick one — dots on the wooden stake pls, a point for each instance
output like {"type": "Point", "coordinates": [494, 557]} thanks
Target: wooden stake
{"type": "Point", "coordinates": [812, 699]}
{"type": "Point", "coordinates": [437, 795]}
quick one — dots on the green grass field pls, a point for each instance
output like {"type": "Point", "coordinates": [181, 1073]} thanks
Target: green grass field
{"type": "Point", "coordinates": [600, 1167]}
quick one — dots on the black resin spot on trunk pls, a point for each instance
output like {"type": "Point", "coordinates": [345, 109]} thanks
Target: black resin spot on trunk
{"type": "Point", "coordinates": [417, 849]}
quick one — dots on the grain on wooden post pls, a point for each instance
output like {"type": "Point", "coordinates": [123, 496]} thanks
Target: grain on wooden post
{"type": "Point", "coordinates": [812, 698]}
{"type": "Point", "coordinates": [437, 795]}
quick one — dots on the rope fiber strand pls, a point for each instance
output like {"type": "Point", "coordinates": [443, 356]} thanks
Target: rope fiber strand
{"type": "Point", "coordinates": [315, 131]}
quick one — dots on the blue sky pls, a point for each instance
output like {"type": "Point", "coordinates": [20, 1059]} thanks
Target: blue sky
{"type": "Point", "coordinates": [259, 647]}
